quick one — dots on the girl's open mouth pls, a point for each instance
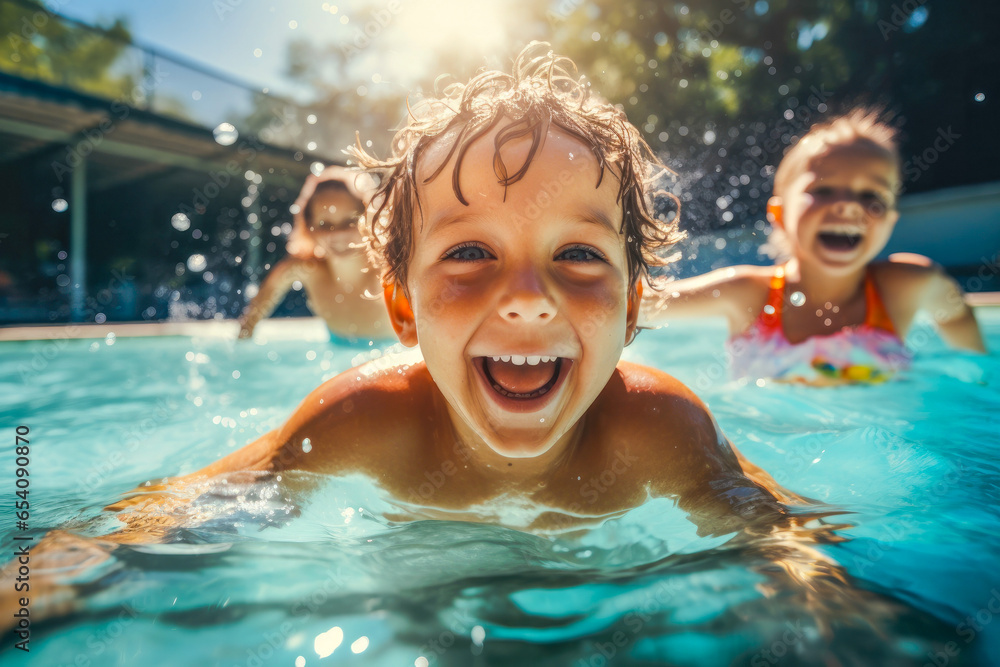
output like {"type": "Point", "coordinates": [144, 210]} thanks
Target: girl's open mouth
{"type": "Point", "coordinates": [523, 383]}
{"type": "Point", "coordinates": [839, 241]}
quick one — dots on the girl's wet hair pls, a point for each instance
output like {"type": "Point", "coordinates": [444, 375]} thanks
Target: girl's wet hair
{"type": "Point", "coordinates": [867, 125]}
{"type": "Point", "coordinates": [541, 91]}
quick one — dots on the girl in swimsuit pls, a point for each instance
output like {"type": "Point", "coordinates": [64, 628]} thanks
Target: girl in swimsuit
{"type": "Point", "coordinates": [829, 314]}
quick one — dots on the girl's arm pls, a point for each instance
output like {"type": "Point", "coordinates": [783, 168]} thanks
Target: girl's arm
{"type": "Point", "coordinates": [736, 293]}
{"type": "Point", "coordinates": [272, 291]}
{"type": "Point", "coordinates": [917, 283]}
{"type": "Point", "coordinates": [945, 301]}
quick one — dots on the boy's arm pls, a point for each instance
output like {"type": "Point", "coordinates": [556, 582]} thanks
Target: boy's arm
{"type": "Point", "coordinates": [735, 293]}
{"type": "Point", "coordinates": [271, 292]}
{"type": "Point", "coordinates": [150, 514]}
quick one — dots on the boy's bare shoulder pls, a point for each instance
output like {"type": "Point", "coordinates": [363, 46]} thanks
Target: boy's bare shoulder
{"type": "Point", "coordinates": [384, 404]}
{"type": "Point", "coordinates": [650, 406]}
{"type": "Point", "coordinates": [653, 416]}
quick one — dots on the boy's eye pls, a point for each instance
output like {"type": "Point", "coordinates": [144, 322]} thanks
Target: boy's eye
{"type": "Point", "coordinates": [581, 254]}
{"type": "Point", "coordinates": [468, 253]}
{"type": "Point", "coordinates": [821, 191]}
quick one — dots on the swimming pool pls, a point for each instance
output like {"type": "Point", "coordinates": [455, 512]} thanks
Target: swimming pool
{"type": "Point", "coordinates": [265, 578]}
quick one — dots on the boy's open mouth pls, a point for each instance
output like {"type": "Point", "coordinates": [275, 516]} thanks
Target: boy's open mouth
{"type": "Point", "coordinates": [839, 240]}
{"type": "Point", "coordinates": [523, 381]}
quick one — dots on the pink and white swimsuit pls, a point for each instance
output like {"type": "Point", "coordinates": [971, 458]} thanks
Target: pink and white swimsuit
{"type": "Point", "coordinates": [869, 352]}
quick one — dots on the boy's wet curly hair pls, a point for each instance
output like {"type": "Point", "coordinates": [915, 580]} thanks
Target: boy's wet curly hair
{"type": "Point", "coordinates": [540, 91]}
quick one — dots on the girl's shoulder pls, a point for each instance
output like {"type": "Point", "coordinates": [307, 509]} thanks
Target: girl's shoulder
{"type": "Point", "coordinates": [904, 272]}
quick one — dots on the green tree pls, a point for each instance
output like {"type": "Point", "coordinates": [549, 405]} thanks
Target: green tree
{"type": "Point", "coordinates": [42, 46]}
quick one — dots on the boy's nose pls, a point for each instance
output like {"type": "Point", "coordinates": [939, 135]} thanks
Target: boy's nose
{"type": "Point", "coordinates": [526, 299]}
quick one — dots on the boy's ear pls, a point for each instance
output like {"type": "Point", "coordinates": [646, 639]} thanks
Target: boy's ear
{"type": "Point", "coordinates": [400, 315]}
{"type": "Point", "coordinates": [774, 212]}
{"type": "Point", "coordinates": [632, 313]}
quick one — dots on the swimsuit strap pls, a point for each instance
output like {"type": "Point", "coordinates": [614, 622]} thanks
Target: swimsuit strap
{"type": "Point", "coordinates": [876, 316]}
{"type": "Point", "coordinates": [771, 321]}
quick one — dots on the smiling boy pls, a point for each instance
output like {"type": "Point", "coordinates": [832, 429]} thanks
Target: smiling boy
{"type": "Point", "coordinates": [514, 235]}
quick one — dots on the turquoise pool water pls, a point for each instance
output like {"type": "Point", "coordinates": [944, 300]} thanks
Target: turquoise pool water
{"type": "Point", "coordinates": [911, 468]}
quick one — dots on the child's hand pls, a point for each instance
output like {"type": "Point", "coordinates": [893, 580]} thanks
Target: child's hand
{"type": "Point", "coordinates": [246, 329]}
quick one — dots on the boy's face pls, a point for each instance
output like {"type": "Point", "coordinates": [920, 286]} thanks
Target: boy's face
{"type": "Point", "coordinates": [841, 210]}
{"type": "Point", "coordinates": [333, 221]}
{"type": "Point", "coordinates": [519, 304]}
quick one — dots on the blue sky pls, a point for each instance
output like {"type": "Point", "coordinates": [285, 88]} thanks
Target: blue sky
{"type": "Point", "coordinates": [247, 39]}
{"type": "Point", "coordinates": [221, 35]}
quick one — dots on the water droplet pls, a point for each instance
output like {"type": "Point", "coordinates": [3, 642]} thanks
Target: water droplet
{"type": "Point", "coordinates": [225, 134]}
{"type": "Point", "coordinates": [197, 262]}
{"type": "Point", "coordinates": [478, 635]}
{"type": "Point", "coordinates": [311, 119]}
{"type": "Point", "coordinates": [236, 375]}
{"type": "Point", "coordinates": [180, 222]}
{"type": "Point", "coordinates": [100, 318]}
{"type": "Point", "coordinates": [257, 53]}
{"type": "Point", "coordinates": [797, 298]}
{"type": "Point", "coordinates": [359, 645]}
{"type": "Point", "coordinates": [311, 146]}
{"type": "Point", "coordinates": [769, 309]}
{"type": "Point", "coordinates": [980, 97]}
{"type": "Point", "coordinates": [307, 445]}
{"type": "Point", "coordinates": [59, 205]}
{"type": "Point", "coordinates": [709, 137]}
{"type": "Point", "coordinates": [317, 168]}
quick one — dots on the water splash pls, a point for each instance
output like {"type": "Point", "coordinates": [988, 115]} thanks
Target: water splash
{"type": "Point", "coordinates": [225, 134]}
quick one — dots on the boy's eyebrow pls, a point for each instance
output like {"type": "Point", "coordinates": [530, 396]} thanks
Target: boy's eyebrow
{"type": "Point", "coordinates": [591, 215]}
{"type": "Point", "coordinates": [599, 217]}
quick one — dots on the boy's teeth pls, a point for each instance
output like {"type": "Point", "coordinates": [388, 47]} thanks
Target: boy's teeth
{"type": "Point", "coordinates": [520, 361]}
